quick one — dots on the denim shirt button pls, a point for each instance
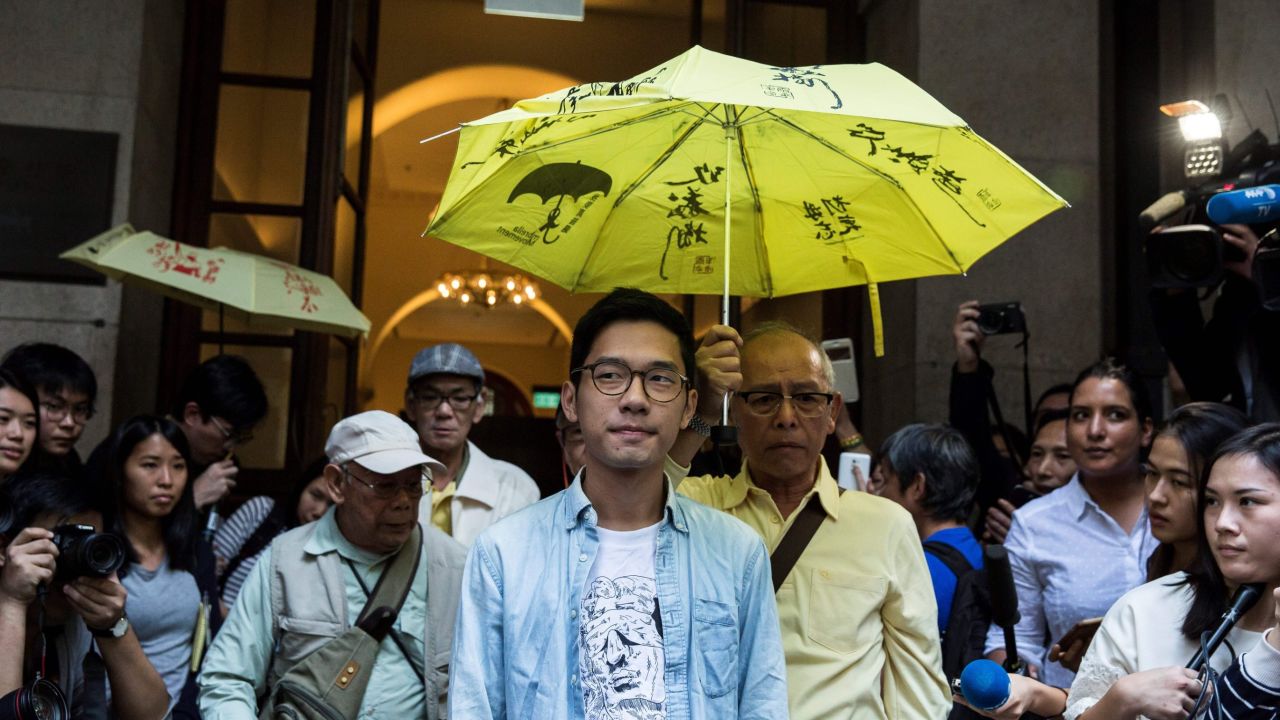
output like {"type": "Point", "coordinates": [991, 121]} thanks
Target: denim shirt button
{"type": "Point", "coordinates": [582, 557]}
{"type": "Point", "coordinates": [573, 614]}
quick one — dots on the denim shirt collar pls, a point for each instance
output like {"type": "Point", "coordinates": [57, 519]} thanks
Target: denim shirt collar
{"type": "Point", "coordinates": [577, 505]}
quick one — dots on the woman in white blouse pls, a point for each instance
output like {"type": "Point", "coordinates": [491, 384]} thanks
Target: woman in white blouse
{"type": "Point", "coordinates": [1134, 667]}
{"type": "Point", "coordinates": [1076, 550]}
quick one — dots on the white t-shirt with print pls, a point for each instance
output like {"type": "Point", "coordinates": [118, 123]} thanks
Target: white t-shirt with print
{"type": "Point", "coordinates": [620, 650]}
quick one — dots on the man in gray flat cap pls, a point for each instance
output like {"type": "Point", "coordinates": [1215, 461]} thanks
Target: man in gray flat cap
{"type": "Point", "coordinates": [444, 397]}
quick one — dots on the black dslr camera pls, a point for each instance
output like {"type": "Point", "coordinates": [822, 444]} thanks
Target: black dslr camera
{"type": "Point", "coordinates": [82, 551]}
{"type": "Point", "coordinates": [1001, 318]}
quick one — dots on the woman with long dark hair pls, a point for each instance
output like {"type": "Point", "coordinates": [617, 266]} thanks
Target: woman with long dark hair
{"type": "Point", "coordinates": [1076, 550]}
{"type": "Point", "coordinates": [244, 537]}
{"type": "Point", "coordinates": [1173, 471]}
{"type": "Point", "coordinates": [146, 472]}
{"type": "Point", "coordinates": [1134, 668]}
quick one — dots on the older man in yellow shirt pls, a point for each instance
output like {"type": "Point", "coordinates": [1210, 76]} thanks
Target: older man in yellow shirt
{"type": "Point", "coordinates": [858, 617]}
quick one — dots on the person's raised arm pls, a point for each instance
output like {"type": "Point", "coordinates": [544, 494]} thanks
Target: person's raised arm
{"type": "Point", "coordinates": [718, 371]}
{"type": "Point", "coordinates": [477, 670]}
{"type": "Point", "coordinates": [137, 690]}
{"type": "Point", "coordinates": [29, 562]}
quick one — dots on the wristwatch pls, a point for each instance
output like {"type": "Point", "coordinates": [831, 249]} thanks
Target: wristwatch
{"type": "Point", "coordinates": [700, 426]}
{"type": "Point", "coordinates": [114, 632]}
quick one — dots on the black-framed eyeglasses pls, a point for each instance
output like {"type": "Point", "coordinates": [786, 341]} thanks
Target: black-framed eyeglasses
{"type": "Point", "coordinates": [614, 378]}
{"type": "Point", "coordinates": [57, 411]}
{"type": "Point", "coordinates": [235, 437]}
{"type": "Point", "coordinates": [431, 401]}
{"type": "Point", "coordinates": [805, 404]}
{"type": "Point", "coordinates": [388, 490]}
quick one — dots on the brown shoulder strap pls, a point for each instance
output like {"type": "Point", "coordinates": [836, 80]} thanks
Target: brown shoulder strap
{"type": "Point", "coordinates": [792, 546]}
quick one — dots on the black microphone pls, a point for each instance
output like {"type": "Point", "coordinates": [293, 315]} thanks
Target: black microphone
{"type": "Point", "coordinates": [1004, 601]}
{"type": "Point", "coordinates": [1246, 597]}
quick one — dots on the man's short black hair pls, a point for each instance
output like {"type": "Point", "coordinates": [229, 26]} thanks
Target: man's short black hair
{"type": "Point", "coordinates": [940, 453]}
{"type": "Point", "coordinates": [630, 305]}
{"type": "Point", "coordinates": [226, 386]}
{"type": "Point", "coordinates": [52, 368]}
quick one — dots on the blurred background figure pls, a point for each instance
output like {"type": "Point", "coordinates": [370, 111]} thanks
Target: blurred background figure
{"type": "Point", "coordinates": [66, 390]}
{"type": "Point", "coordinates": [241, 541]}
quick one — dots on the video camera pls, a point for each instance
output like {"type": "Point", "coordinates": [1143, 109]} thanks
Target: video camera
{"type": "Point", "coordinates": [1238, 186]}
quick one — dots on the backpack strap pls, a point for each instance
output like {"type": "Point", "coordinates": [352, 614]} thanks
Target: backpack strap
{"type": "Point", "coordinates": [792, 545]}
{"type": "Point", "coordinates": [955, 560]}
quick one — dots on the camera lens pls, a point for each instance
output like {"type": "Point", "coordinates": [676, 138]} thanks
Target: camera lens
{"type": "Point", "coordinates": [101, 555]}
{"type": "Point", "coordinates": [990, 323]}
{"type": "Point", "coordinates": [1191, 259]}
{"type": "Point", "coordinates": [41, 700]}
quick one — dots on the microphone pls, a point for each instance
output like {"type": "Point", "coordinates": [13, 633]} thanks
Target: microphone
{"type": "Point", "coordinates": [1246, 597]}
{"type": "Point", "coordinates": [1004, 601]}
{"type": "Point", "coordinates": [1157, 211]}
{"type": "Point", "coordinates": [984, 685]}
{"type": "Point", "coordinates": [211, 526]}
{"type": "Point", "coordinates": [1251, 205]}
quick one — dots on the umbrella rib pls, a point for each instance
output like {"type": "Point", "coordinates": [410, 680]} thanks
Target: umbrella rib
{"type": "Point", "coordinates": [605, 129]}
{"type": "Point", "coordinates": [698, 122]}
{"type": "Point", "coordinates": [829, 145]}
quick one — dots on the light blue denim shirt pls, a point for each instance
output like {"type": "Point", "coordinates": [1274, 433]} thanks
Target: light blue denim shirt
{"type": "Point", "coordinates": [515, 648]}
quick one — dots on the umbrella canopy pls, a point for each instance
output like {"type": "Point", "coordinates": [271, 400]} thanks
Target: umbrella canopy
{"type": "Point", "coordinates": [830, 176]}
{"type": "Point", "coordinates": [257, 290]}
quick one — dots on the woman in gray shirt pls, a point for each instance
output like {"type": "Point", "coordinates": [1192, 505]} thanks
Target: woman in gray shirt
{"type": "Point", "coordinates": [146, 471]}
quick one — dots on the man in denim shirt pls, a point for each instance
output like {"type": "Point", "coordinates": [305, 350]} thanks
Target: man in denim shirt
{"type": "Point", "coordinates": [617, 598]}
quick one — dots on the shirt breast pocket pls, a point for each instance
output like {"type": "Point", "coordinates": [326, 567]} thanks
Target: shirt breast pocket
{"type": "Point", "coordinates": [844, 610]}
{"type": "Point", "coordinates": [715, 625]}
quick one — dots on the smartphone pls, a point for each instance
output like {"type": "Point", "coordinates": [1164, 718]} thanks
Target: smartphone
{"type": "Point", "coordinates": [840, 352]}
{"type": "Point", "coordinates": [844, 475]}
{"type": "Point", "coordinates": [1083, 630]}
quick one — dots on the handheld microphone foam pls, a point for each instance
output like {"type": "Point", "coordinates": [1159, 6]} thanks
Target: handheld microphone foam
{"type": "Point", "coordinates": [1246, 597]}
{"type": "Point", "coordinates": [1250, 205]}
{"type": "Point", "coordinates": [984, 684]}
{"type": "Point", "coordinates": [1167, 205]}
{"type": "Point", "coordinates": [1004, 595]}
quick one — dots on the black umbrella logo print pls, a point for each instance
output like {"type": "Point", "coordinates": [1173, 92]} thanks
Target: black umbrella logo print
{"type": "Point", "coordinates": [559, 180]}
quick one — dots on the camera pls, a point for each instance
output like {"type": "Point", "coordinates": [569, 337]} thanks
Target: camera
{"type": "Point", "coordinates": [1001, 318]}
{"type": "Point", "coordinates": [1191, 255]}
{"type": "Point", "coordinates": [83, 551]}
{"type": "Point", "coordinates": [1188, 256]}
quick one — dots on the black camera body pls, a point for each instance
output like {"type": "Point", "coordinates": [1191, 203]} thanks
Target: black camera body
{"type": "Point", "coordinates": [1001, 318]}
{"type": "Point", "coordinates": [85, 552]}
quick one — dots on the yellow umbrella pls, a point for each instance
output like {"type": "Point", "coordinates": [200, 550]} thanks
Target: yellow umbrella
{"type": "Point", "coordinates": [257, 290]}
{"type": "Point", "coordinates": [831, 176]}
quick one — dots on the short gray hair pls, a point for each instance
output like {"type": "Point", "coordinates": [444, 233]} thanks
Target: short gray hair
{"type": "Point", "coordinates": [941, 454]}
{"type": "Point", "coordinates": [780, 327]}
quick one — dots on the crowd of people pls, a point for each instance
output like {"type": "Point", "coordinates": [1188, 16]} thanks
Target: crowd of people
{"type": "Point", "coordinates": [407, 573]}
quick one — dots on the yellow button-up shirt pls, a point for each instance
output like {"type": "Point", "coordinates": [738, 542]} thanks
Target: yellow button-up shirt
{"type": "Point", "coordinates": [442, 507]}
{"type": "Point", "coordinates": [858, 616]}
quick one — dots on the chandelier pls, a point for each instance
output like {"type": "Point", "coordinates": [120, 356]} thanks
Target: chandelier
{"type": "Point", "coordinates": [486, 289]}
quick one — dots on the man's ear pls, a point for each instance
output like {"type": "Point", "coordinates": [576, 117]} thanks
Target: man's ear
{"type": "Point", "coordinates": [833, 412]}
{"type": "Point", "coordinates": [690, 407]}
{"type": "Point", "coordinates": [568, 400]}
{"type": "Point", "coordinates": [1148, 432]}
{"type": "Point", "coordinates": [477, 412]}
{"type": "Point", "coordinates": [191, 414]}
{"type": "Point", "coordinates": [915, 491]}
{"type": "Point", "coordinates": [333, 483]}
